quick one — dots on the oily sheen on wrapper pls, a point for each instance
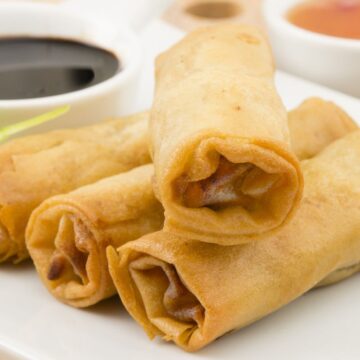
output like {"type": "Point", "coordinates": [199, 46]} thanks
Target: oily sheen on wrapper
{"type": "Point", "coordinates": [313, 125]}
{"type": "Point", "coordinates": [37, 167]}
{"type": "Point", "coordinates": [77, 216]}
{"type": "Point", "coordinates": [316, 123]}
{"type": "Point", "coordinates": [60, 161]}
{"type": "Point", "coordinates": [224, 170]}
{"type": "Point", "coordinates": [67, 234]}
{"type": "Point", "coordinates": [192, 293]}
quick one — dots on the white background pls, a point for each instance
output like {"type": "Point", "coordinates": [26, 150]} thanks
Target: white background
{"type": "Point", "coordinates": [323, 324]}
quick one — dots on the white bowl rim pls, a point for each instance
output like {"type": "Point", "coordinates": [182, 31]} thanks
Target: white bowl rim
{"type": "Point", "coordinates": [118, 80]}
{"type": "Point", "coordinates": [274, 13]}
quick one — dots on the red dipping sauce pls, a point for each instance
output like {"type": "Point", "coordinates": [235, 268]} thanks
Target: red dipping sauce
{"type": "Point", "coordinates": [340, 18]}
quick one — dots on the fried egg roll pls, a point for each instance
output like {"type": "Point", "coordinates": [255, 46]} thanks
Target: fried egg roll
{"type": "Point", "coordinates": [313, 125]}
{"type": "Point", "coordinates": [73, 241]}
{"type": "Point", "coordinates": [224, 170]}
{"type": "Point", "coordinates": [67, 234]}
{"type": "Point", "coordinates": [37, 167]}
{"type": "Point", "coordinates": [192, 292]}
{"type": "Point", "coordinates": [316, 123]}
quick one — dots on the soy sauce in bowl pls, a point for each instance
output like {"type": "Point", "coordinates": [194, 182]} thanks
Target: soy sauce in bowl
{"type": "Point", "coordinates": [40, 67]}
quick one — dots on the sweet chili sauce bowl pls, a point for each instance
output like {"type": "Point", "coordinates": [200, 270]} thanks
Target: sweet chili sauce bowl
{"type": "Point", "coordinates": [328, 60]}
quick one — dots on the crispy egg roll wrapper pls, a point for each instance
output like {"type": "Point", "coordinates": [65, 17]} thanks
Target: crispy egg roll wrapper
{"type": "Point", "coordinates": [70, 214]}
{"type": "Point", "coordinates": [37, 167]}
{"type": "Point", "coordinates": [316, 123]}
{"type": "Point", "coordinates": [192, 292]}
{"type": "Point", "coordinates": [313, 125]}
{"type": "Point", "coordinates": [224, 171]}
{"type": "Point", "coordinates": [67, 234]}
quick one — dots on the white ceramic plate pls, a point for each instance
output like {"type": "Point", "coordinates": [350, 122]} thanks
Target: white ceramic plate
{"type": "Point", "coordinates": [323, 324]}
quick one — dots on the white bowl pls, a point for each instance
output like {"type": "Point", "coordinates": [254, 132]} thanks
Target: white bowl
{"type": "Point", "coordinates": [331, 61]}
{"type": "Point", "coordinates": [113, 97]}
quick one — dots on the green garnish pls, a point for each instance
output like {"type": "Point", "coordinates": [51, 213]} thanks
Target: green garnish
{"type": "Point", "coordinates": [9, 130]}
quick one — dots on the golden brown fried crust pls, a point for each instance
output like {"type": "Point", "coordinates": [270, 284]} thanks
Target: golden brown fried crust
{"type": "Point", "coordinates": [68, 234]}
{"type": "Point", "coordinates": [37, 167]}
{"type": "Point", "coordinates": [229, 282]}
{"type": "Point", "coordinates": [202, 153]}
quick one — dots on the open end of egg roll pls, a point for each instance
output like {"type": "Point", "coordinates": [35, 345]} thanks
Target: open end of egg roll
{"type": "Point", "coordinates": [178, 302]}
{"type": "Point", "coordinates": [251, 183]}
{"type": "Point", "coordinates": [69, 256]}
{"type": "Point", "coordinates": [164, 306]}
{"type": "Point", "coordinates": [68, 234]}
{"type": "Point", "coordinates": [256, 184]}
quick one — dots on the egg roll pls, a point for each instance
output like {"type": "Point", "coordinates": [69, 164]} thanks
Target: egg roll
{"type": "Point", "coordinates": [316, 123]}
{"type": "Point", "coordinates": [224, 169]}
{"type": "Point", "coordinates": [193, 292]}
{"type": "Point", "coordinates": [70, 215]}
{"type": "Point", "coordinates": [37, 167]}
{"type": "Point", "coordinates": [313, 125]}
{"type": "Point", "coordinates": [67, 234]}
{"type": "Point", "coordinates": [60, 161]}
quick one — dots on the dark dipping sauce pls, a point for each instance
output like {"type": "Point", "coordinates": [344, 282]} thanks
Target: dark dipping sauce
{"type": "Point", "coordinates": [39, 67]}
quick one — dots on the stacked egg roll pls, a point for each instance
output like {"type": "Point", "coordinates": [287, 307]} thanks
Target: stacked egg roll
{"type": "Point", "coordinates": [315, 124]}
{"type": "Point", "coordinates": [224, 169]}
{"type": "Point", "coordinates": [318, 123]}
{"type": "Point", "coordinates": [67, 234]}
{"type": "Point", "coordinates": [191, 292]}
{"type": "Point", "coordinates": [37, 167]}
